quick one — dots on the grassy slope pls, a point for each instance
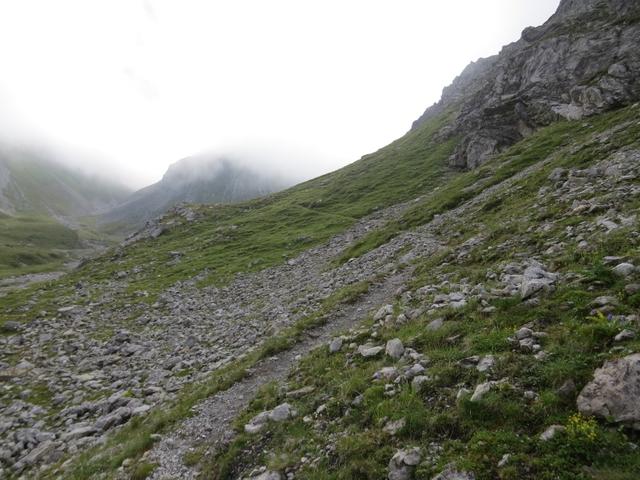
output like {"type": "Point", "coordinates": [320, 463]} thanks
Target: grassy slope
{"type": "Point", "coordinates": [256, 234]}
{"type": "Point", "coordinates": [30, 244]}
{"type": "Point", "coordinates": [46, 187]}
{"type": "Point", "coordinates": [475, 435]}
{"type": "Point", "coordinates": [253, 235]}
{"type": "Point", "coordinates": [32, 240]}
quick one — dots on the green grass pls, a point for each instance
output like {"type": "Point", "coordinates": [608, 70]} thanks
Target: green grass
{"type": "Point", "coordinates": [348, 440]}
{"type": "Point", "coordinates": [468, 185]}
{"type": "Point", "coordinates": [257, 234]}
{"type": "Point", "coordinates": [41, 186]}
{"type": "Point", "coordinates": [264, 232]}
{"type": "Point", "coordinates": [33, 244]}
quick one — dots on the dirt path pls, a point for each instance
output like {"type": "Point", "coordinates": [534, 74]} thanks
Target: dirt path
{"type": "Point", "coordinates": [212, 422]}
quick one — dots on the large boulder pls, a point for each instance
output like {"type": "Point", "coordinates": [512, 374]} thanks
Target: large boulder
{"type": "Point", "coordinates": [614, 392]}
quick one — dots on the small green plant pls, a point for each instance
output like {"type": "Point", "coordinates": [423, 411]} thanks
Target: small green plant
{"type": "Point", "coordinates": [142, 471]}
{"type": "Point", "coordinates": [582, 428]}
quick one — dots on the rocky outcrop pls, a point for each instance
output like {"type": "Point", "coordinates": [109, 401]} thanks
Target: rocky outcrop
{"type": "Point", "coordinates": [584, 60]}
{"type": "Point", "coordinates": [614, 391]}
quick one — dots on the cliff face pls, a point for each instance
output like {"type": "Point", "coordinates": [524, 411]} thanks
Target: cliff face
{"type": "Point", "coordinates": [584, 60]}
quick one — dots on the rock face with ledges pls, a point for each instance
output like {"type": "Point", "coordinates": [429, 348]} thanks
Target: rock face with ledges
{"type": "Point", "coordinates": [584, 60]}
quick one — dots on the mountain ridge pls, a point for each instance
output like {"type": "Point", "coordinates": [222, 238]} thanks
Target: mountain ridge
{"type": "Point", "coordinates": [203, 179]}
{"type": "Point", "coordinates": [551, 72]}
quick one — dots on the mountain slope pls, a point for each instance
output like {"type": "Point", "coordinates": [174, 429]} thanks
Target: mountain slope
{"type": "Point", "coordinates": [584, 60]}
{"type": "Point", "coordinates": [497, 293]}
{"type": "Point", "coordinates": [33, 184]}
{"type": "Point", "coordinates": [201, 179]}
{"type": "Point", "coordinates": [42, 203]}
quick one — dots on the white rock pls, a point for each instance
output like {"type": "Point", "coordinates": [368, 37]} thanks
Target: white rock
{"type": "Point", "coordinates": [268, 475]}
{"type": "Point", "coordinates": [281, 413]}
{"type": "Point", "coordinates": [625, 335]}
{"type": "Point", "coordinates": [393, 427]}
{"type": "Point", "coordinates": [551, 432]}
{"type": "Point", "coordinates": [486, 363]}
{"type": "Point", "coordinates": [624, 269]}
{"type": "Point", "coordinates": [383, 312]}
{"type": "Point", "coordinates": [481, 390]}
{"type": "Point", "coordinates": [369, 350]}
{"type": "Point", "coordinates": [614, 392]}
{"type": "Point", "coordinates": [418, 381]}
{"type": "Point", "coordinates": [435, 324]}
{"type": "Point", "coordinates": [335, 345]}
{"type": "Point", "coordinates": [394, 348]}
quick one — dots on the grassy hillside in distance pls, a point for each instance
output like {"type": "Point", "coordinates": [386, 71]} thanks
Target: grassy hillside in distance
{"type": "Point", "coordinates": [40, 186]}
{"type": "Point", "coordinates": [253, 235]}
{"type": "Point", "coordinates": [33, 244]}
{"type": "Point", "coordinates": [45, 209]}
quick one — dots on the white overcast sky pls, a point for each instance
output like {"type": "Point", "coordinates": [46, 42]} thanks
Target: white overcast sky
{"type": "Point", "coordinates": [136, 85]}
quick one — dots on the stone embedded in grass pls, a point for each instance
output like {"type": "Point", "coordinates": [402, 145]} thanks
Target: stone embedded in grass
{"type": "Point", "coordinates": [605, 301]}
{"type": "Point", "coordinates": [415, 370]}
{"type": "Point", "coordinates": [368, 350]}
{"type": "Point", "coordinates": [624, 269]}
{"type": "Point", "coordinates": [614, 391]}
{"type": "Point", "coordinates": [551, 432]}
{"type": "Point", "coordinates": [257, 423]}
{"type": "Point", "coordinates": [452, 473]}
{"type": "Point", "coordinates": [118, 417]}
{"type": "Point", "coordinates": [386, 373]}
{"type": "Point", "coordinates": [267, 475]}
{"type": "Point", "coordinates": [535, 279]}
{"type": "Point", "coordinates": [282, 412]}
{"type": "Point", "coordinates": [567, 389]}
{"type": "Point", "coordinates": [11, 327]}
{"type": "Point", "coordinates": [526, 340]}
{"type": "Point", "coordinates": [403, 463]}
{"type": "Point", "coordinates": [335, 345]}
{"type": "Point", "coordinates": [632, 288]}
{"type": "Point", "coordinates": [383, 312]}
{"type": "Point", "coordinates": [625, 335]}
{"type": "Point", "coordinates": [462, 393]}
{"type": "Point", "coordinates": [78, 432]}
{"type": "Point", "coordinates": [486, 363]}
{"type": "Point", "coordinates": [435, 324]}
{"type": "Point", "coordinates": [418, 381]}
{"type": "Point", "coordinates": [393, 427]}
{"type": "Point", "coordinates": [523, 333]}
{"type": "Point", "coordinates": [481, 390]}
{"type": "Point", "coordinates": [504, 460]}
{"type": "Point", "coordinates": [394, 348]}
{"type": "Point", "coordinates": [300, 392]}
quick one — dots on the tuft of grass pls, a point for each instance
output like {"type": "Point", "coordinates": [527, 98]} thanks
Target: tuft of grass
{"type": "Point", "coordinates": [142, 471]}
